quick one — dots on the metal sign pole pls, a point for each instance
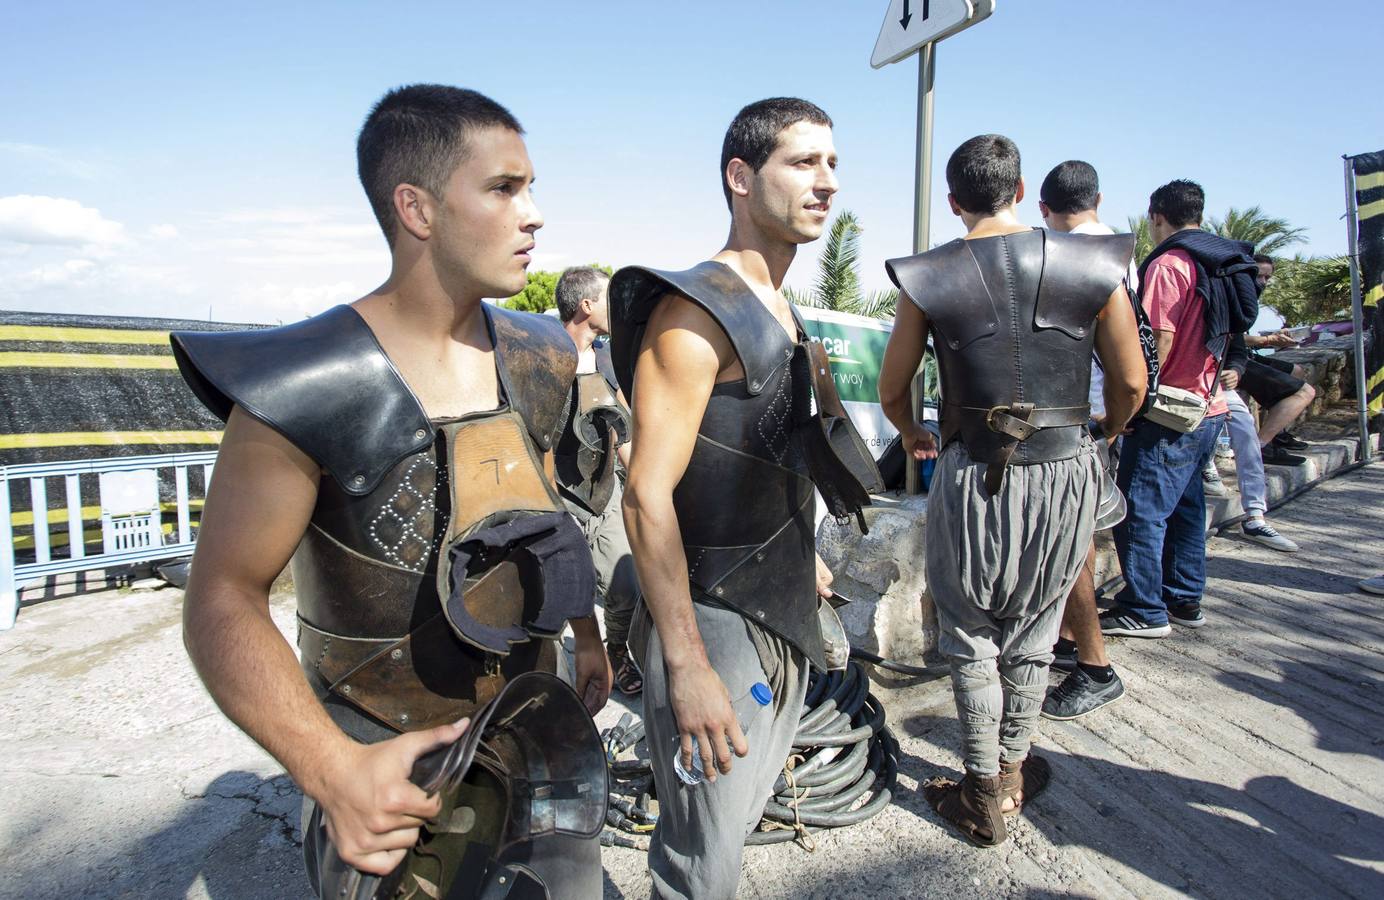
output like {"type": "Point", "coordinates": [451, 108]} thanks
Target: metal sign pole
{"type": "Point", "coordinates": [922, 198]}
{"type": "Point", "coordinates": [922, 218]}
{"type": "Point", "coordinates": [1357, 312]}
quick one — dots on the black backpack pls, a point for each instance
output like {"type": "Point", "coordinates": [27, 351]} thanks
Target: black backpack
{"type": "Point", "coordinates": [1148, 342]}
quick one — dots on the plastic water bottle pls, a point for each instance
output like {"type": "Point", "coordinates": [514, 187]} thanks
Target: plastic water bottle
{"type": "Point", "coordinates": [1223, 445]}
{"type": "Point", "coordinates": [757, 697]}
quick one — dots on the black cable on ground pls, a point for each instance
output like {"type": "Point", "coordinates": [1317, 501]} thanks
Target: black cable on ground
{"type": "Point", "coordinates": [843, 770]}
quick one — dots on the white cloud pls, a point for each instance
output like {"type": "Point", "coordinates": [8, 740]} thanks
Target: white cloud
{"type": "Point", "coordinates": [277, 302]}
{"type": "Point", "coordinates": [30, 219]}
{"type": "Point", "coordinates": [163, 232]}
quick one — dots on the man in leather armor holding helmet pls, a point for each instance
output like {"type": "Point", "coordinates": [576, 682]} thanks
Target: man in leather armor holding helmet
{"type": "Point", "coordinates": [1015, 313]}
{"type": "Point", "coordinates": [396, 450]}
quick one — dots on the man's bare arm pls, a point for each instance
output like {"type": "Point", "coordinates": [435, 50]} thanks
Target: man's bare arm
{"type": "Point", "coordinates": [683, 353]}
{"type": "Point", "coordinates": [257, 509]}
{"type": "Point", "coordinates": [1122, 359]}
{"type": "Point", "coordinates": [622, 452]}
{"type": "Point", "coordinates": [902, 356]}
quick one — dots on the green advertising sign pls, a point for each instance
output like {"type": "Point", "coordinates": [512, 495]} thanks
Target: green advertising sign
{"type": "Point", "coordinates": [855, 346]}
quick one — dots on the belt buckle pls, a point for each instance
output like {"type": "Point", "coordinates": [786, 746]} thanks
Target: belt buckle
{"type": "Point", "coordinates": [1011, 425]}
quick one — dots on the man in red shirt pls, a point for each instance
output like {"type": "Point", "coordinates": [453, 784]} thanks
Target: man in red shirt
{"type": "Point", "coordinates": [1162, 541]}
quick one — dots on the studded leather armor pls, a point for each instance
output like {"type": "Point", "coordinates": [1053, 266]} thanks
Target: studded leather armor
{"type": "Point", "coordinates": [374, 639]}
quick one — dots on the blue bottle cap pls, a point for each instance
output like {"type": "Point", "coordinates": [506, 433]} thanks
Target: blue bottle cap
{"type": "Point", "coordinates": [761, 694]}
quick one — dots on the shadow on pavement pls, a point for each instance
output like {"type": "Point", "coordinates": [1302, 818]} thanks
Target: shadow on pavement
{"type": "Point", "coordinates": [1347, 722]}
{"type": "Point", "coordinates": [238, 839]}
{"type": "Point", "coordinates": [1189, 834]}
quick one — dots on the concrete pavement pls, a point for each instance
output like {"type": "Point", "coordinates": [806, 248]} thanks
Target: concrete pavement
{"type": "Point", "coordinates": [1246, 759]}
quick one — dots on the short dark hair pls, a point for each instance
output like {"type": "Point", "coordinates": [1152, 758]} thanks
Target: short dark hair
{"type": "Point", "coordinates": [1071, 187]}
{"type": "Point", "coordinates": [753, 133]}
{"type": "Point", "coordinates": [1264, 258]}
{"type": "Point", "coordinates": [1181, 202]}
{"type": "Point", "coordinates": [575, 285]}
{"type": "Point", "coordinates": [983, 173]}
{"type": "Point", "coordinates": [417, 135]}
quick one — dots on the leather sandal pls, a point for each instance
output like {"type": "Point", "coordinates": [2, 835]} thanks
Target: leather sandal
{"type": "Point", "coordinates": [628, 679]}
{"type": "Point", "coordinates": [1022, 781]}
{"type": "Point", "coordinates": [972, 805]}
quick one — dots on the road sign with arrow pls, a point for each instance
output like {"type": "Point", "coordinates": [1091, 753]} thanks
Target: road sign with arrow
{"type": "Point", "coordinates": [915, 26]}
{"type": "Point", "coordinates": [910, 24]}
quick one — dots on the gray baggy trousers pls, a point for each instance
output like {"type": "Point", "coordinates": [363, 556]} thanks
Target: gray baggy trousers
{"type": "Point", "coordinates": [700, 838]}
{"type": "Point", "coordinates": [999, 570]}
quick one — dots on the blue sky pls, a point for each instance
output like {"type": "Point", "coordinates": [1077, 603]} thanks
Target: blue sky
{"type": "Point", "coordinates": [160, 159]}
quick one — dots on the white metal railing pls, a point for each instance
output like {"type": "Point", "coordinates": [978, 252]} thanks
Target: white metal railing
{"type": "Point", "coordinates": [126, 548]}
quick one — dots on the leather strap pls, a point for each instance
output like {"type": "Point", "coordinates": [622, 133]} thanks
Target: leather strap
{"type": "Point", "coordinates": [1019, 421]}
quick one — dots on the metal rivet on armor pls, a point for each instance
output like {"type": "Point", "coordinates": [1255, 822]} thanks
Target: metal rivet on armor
{"type": "Point", "coordinates": [719, 591]}
{"type": "Point", "coordinates": [403, 718]}
{"type": "Point", "coordinates": [754, 385]}
{"type": "Point", "coordinates": [420, 434]}
{"type": "Point", "coordinates": [357, 479]}
{"type": "Point", "coordinates": [787, 351]}
{"type": "Point", "coordinates": [759, 557]}
{"type": "Point", "coordinates": [760, 613]}
{"type": "Point", "coordinates": [396, 654]}
{"type": "Point", "coordinates": [503, 880]}
{"type": "Point", "coordinates": [345, 689]}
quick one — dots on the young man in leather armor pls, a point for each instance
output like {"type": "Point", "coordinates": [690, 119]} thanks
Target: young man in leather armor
{"type": "Point", "coordinates": [719, 503]}
{"type": "Point", "coordinates": [1015, 313]}
{"type": "Point", "coordinates": [383, 446]}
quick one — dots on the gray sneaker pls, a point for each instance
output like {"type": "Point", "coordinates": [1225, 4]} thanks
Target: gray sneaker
{"type": "Point", "coordinates": [1262, 532]}
{"type": "Point", "coordinates": [1211, 481]}
{"type": "Point", "coordinates": [1079, 694]}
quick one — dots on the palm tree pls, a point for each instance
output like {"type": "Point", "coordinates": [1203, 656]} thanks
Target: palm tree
{"type": "Point", "coordinates": [1143, 238]}
{"type": "Point", "coordinates": [1269, 236]}
{"type": "Point", "coordinates": [1307, 290]}
{"type": "Point", "coordinates": [838, 277]}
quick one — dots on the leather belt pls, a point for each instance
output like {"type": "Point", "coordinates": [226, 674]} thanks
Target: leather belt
{"type": "Point", "coordinates": [1019, 421]}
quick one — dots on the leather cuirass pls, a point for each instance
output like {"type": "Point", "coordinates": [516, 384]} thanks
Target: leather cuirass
{"type": "Point", "coordinates": [597, 425]}
{"type": "Point", "coordinates": [1013, 319]}
{"type": "Point", "coordinates": [745, 503]}
{"type": "Point", "coordinates": [376, 642]}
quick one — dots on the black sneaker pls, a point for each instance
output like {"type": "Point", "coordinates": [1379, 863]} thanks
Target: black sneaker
{"type": "Point", "coordinates": [1063, 662]}
{"type": "Point", "coordinates": [1289, 441]}
{"type": "Point", "coordinates": [1079, 694]}
{"type": "Point", "coordinates": [1188, 615]}
{"type": "Point", "coordinates": [1277, 456]}
{"type": "Point", "coordinates": [1121, 624]}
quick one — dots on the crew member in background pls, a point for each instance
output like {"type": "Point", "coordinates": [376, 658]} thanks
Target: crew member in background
{"type": "Point", "coordinates": [592, 457]}
{"type": "Point", "coordinates": [1070, 198]}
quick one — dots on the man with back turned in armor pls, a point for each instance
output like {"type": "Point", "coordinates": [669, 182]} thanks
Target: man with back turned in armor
{"type": "Point", "coordinates": [719, 503]}
{"type": "Point", "coordinates": [396, 448]}
{"type": "Point", "coordinates": [1015, 313]}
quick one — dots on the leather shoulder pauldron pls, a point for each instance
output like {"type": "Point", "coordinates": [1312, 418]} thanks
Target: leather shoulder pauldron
{"type": "Point", "coordinates": [323, 383]}
{"type": "Point", "coordinates": [717, 289]}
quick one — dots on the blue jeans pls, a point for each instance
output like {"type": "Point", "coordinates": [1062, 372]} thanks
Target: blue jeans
{"type": "Point", "coordinates": [1162, 541]}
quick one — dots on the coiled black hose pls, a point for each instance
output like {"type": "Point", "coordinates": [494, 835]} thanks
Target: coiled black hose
{"type": "Point", "coordinates": [843, 752]}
